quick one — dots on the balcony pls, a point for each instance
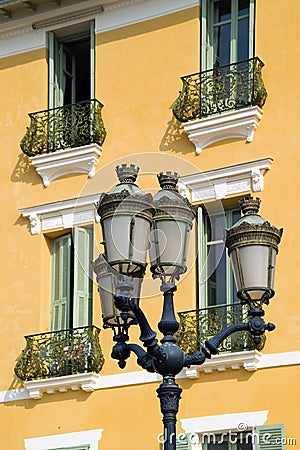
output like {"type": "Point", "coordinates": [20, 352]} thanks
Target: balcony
{"type": "Point", "coordinates": [221, 103]}
{"type": "Point", "coordinates": [200, 325]}
{"type": "Point", "coordinates": [60, 353]}
{"type": "Point", "coordinates": [65, 140]}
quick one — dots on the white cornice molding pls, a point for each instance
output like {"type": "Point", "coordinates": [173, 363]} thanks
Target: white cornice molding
{"type": "Point", "coordinates": [37, 388]}
{"type": "Point", "coordinates": [62, 214]}
{"type": "Point", "coordinates": [219, 183]}
{"type": "Point", "coordinates": [224, 422]}
{"type": "Point", "coordinates": [51, 166]}
{"type": "Point", "coordinates": [143, 10]}
{"type": "Point", "coordinates": [142, 377]}
{"type": "Point", "coordinates": [238, 124]}
{"type": "Point", "coordinates": [19, 36]}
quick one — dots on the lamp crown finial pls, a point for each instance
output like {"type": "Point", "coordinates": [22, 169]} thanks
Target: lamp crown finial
{"type": "Point", "coordinates": [168, 180]}
{"type": "Point", "coordinates": [249, 205]}
{"type": "Point", "coordinates": [127, 173]}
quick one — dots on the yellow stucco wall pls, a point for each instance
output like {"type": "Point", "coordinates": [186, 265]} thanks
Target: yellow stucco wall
{"type": "Point", "coordinates": [138, 70]}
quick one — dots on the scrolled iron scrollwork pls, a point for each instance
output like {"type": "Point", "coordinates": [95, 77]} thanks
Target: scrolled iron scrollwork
{"type": "Point", "coordinates": [64, 127]}
{"type": "Point", "coordinates": [200, 325]}
{"type": "Point", "coordinates": [221, 89]}
{"type": "Point", "coordinates": [59, 353]}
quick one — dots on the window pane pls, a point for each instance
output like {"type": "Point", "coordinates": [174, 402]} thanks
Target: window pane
{"type": "Point", "coordinates": [216, 283]}
{"type": "Point", "coordinates": [215, 227]}
{"type": "Point", "coordinates": [235, 216]}
{"type": "Point", "coordinates": [243, 7]}
{"type": "Point", "coordinates": [222, 10]}
{"type": "Point", "coordinates": [243, 39]}
{"type": "Point", "coordinates": [246, 443]}
{"type": "Point", "coordinates": [216, 446]}
{"type": "Point", "coordinates": [222, 45]}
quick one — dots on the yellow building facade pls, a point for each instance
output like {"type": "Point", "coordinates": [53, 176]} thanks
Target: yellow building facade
{"type": "Point", "coordinates": [102, 85]}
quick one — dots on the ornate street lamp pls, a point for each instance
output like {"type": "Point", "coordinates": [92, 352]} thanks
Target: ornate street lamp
{"type": "Point", "coordinates": [130, 220]}
{"type": "Point", "coordinates": [252, 246]}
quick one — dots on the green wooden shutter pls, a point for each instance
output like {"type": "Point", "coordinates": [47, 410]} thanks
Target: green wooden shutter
{"type": "Point", "coordinates": [201, 259]}
{"type": "Point", "coordinates": [183, 442]}
{"type": "Point", "coordinates": [82, 276]}
{"type": "Point", "coordinates": [61, 260]}
{"type": "Point", "coordinates": [53, 75]}
{"type": "Point", "coordinates": [92, 59]}
{"type": "Point", "coordinates": [269, 437]}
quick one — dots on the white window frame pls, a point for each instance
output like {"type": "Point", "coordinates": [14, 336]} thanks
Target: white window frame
{"type": "Point", "coordinates": [80, 438]}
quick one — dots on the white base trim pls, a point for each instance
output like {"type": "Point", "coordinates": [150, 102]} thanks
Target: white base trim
{"type": "Point", "coordinates": [89, 437]}
{"type": "Point", "coordinates": [239, 124]}
{"type": "Point", "coordinates": [219, 183]}
{"type": "Point", "coordinates": [64, 162]}
{"type": "Point", "coordinates": [224, 422]}
{"type": "Point", "coordinates": [37, 388]}
{"type": "Point", "coordinates": [246, 360]}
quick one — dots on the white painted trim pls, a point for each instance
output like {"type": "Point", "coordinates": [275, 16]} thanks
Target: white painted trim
{"type": "Point", "coordinates": [142, 377]}
{"type": "Point", "coordinates": [88, 437]}
{"type": "Point", "coordinates": [279, 360]}
{"type": "Point", "coordinates": [220, 183]}
{"type": "Point", "coordinates": [247, 360]}
{"type": "Point", "coordinates": [224, 422]}
{"type": "Point", "coordinates": [20, 41]}
{"type": "Point", "coordinates": [51, 166]}
{"type": "Point", "coordinates": [62, 214]}
{"type": "Point", "coordinates": [85, 381]}
{"type": "Point", "coordinates": [138, 11]}
{"type": "Point", "coordinates": [19, 37]}
{"type": "Point", "coordinates": [238, 124]}
{"type": "Point", "coordinates": [209, 185]}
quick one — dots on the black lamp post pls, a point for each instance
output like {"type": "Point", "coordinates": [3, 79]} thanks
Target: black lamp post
{"type": "Point", "coordinates": [130, 219]}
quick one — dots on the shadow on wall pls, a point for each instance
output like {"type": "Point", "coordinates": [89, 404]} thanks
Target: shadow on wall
{"type": "Point", "coordinates": [24, 172]}
{"type": "Point", "coordinates": [175, 139]}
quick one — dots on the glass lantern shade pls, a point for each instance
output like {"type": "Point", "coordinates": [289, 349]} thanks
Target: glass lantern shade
{"type": "Point", "coordinates": [108, 280]}
{"type": "Point", "coordinates": [253, 268]}
{"type": "Point", "coordinates": [126, 216]}
{"type": "Point", "coordinates": [126, 242]}
{"type": "Point", "coordinates": [172, 224]}
{"type": "Point", "coordinates": [252, 246]}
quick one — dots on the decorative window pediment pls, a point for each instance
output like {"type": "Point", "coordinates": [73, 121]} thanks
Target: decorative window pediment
{"type": "Point", "coordinates": [63, 214]}
{"type": "Point", "coordinates": [219, 183]}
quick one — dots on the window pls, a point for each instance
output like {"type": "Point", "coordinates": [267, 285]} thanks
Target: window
{"type": "Point", "coordinates": [80, 440]}
{"type": "Point", "coordinates": [236, 441]}
{"type": "Point", "coordinates": [71, 65]}
{"type": "Point", "coordinates": [227, 32]}
{"type": "Point", "coordinates": [256, 437]}
{"type": "Point", "coordinates": [71, 283]}
{"type": "Point", "coordinates": [217, 285]}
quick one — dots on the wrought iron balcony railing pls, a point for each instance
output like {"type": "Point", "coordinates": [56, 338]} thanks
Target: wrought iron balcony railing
{"type": "Point", "coordinates": [200, 325]}
{"type": "Point", "coordinates": [64, 127]}
{"type": "Point", "coordinates": [221, 89]}
{"type": "Point", "coordinates": [59, 353]}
